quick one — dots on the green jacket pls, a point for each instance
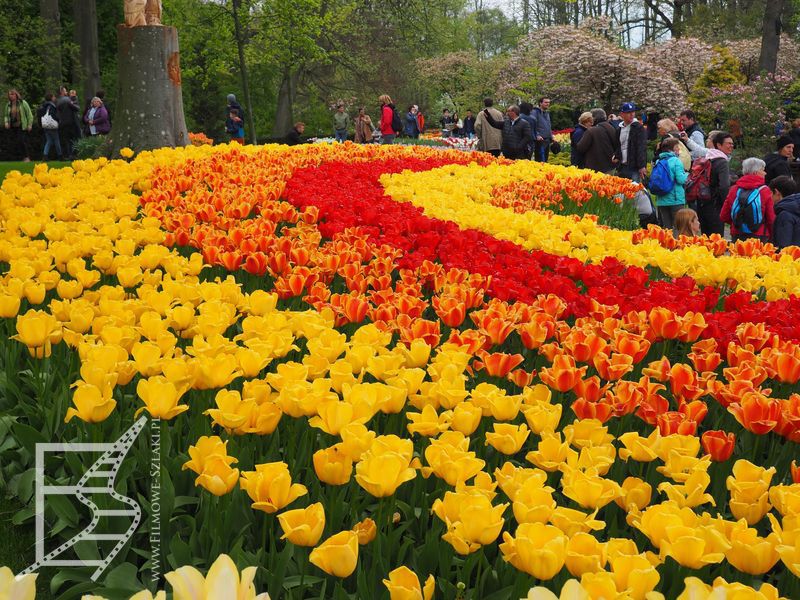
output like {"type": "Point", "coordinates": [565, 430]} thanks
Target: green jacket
{"type": "Point", "coordinates": [341, 120]}
{"type": "Point", "coordinates": [25, 114]}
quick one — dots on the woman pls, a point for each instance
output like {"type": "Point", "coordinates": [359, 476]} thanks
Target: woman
{"type": "Point", "coordinates": [584, 122]}
{"type": "Point", "coordinates": [687, 223]}
{"type": "Point", "coordinates": [48, 118]}
{"type": "Point", "coordinates": [387, 116]}
{"type": "Point", "coordinates": [675, 199]}
{"type": "Point", "coordinates": [786, 227]}
{"type": "Point", "coordinates": [667, 129]}
{"type": "Point", "coordinates": [412, 125]}
{"type": "Point", "coordinates": [364, 127]}
{"type": "Point", "coordinates": [750, 188]}
{"type": "Point", "coordinates": [97, 118]}
{"type": "Point", "coordinates": [19, 120]}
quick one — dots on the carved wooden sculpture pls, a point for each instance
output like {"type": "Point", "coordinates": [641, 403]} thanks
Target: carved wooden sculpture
{"type": "Point", "coordinates": [142, 12]}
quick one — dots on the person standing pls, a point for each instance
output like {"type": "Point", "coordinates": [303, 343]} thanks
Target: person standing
{"type": "Point", "coordinates": [786, 227]}
{"type": "Point", "coordinates": [516, 133]}
{"type": "Point", "coordinates": [674, 199]}
{"type": "Point", "coordinates": [18, 118]}
{"type": "Point", "coordinates": [234, 120]}
{"type": "Point", "coordinates": [420, 121]}
{"type": "Point", "coordinates": [96, 118]}
{"type": "Point", "coordinates": [469, 125]}
{"type": "Point", "coordinates": [543, 130]}
{"type": "Point", "coordinates": [489, 138]}
{"type": "Point", "coordinates": [48, 118]}
{"type": "Point", "coordinates": [600, 145]}
{"type": "Point", "coordinates": [719, 183]}
{"type": "Point", "coordinates": [525, 109]}
{"type": "Point", "coordinates": [293, 137]}
{"type": "Point", "coordinates": [341, 123]}
{"type": "Point", "coordinates": [695, 136]}
{"type": "Point", "coordinates": [750, 188]}
{"type": "Point", "coordinates": [448, 123]}
{"type": "Point", "coordinates": [633, 145]}
{"type": "Point", "coordinates": [411, 127]}
{"type": "Point", "coordinates": [585, 121]}
{"type": "Point", "coordinates": [387, 118]}
{"type": "Point", "coordinates": [364, 127]}
{"type": "Point", "coordinates": [777, 163]}
{"type": "Point", "coordinates": [67, 122]}
{"type": "Point", "coordinates": [794, 134]}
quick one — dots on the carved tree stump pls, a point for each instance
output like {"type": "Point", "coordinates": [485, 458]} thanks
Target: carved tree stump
{"type": "Point", "coordinates": [149, 108]}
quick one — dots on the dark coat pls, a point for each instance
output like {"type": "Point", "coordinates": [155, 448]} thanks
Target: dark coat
{"type": "Point", "coordinates": [777, 165]}
{"type": "Point", "coordinates": [102, 124]}
{"type": "Point", "coordinates": [720, 181]}
{"type": "Point", "coordinates": [231, 126]}
{"type": "Point", "coordinates": [67, 114]}
{"type": "Point", "coordinates": [786, 228]}
{"type": "Point", "coordinates": [795, 135]}
{"type": "Point", "coordinates": [575, 157]}
{"type": "Point", "coordinates": [516, 136]}
{"type": "Point", "coordinates": [293, 137]}
{"type": "Point", "coordinates": [599, 146]}
{"type": "Point", "coordinates": [637, 146]}
{"type": "Point", "coordinates": [469, 126]}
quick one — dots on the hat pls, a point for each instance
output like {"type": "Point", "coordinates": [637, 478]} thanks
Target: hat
{"type": "Point", "coordinates": [627, 107]}
{"type": "Point", "coordinates": [784, 140]}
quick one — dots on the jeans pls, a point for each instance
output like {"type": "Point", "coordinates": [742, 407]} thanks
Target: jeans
{"type": "Point", "coordinates": [542, 150]}
{"type": "Point", "coordinates": [708, 215]}
{"type": "Point", "coordinates": [52, 140]}
{"type": "Point", "coordinates": [341, 135]}
{"type": "Point", "coordinates": [388, 138]}
{"type": "Point", "coordinates": [630, 173]}
{"type": "Point", "coordinates": [667, 215]}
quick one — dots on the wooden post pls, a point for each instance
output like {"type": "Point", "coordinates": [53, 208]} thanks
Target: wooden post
{"type": "Point", "coordinates": [149, 110]}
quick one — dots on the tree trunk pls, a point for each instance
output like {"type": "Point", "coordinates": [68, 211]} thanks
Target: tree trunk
{"type": "Point", "coordinates": [85, 12]}
{"type": "Point", "coordinates": [48, 10]}
{"type": "Point", "coordinates": [770, 36]}
{"type": "Point", "coordinates": [149, 111]}
{"type": "Point", "coordinates": [240, 43]}
{"type": "Point", "coordinates": [285, 108]}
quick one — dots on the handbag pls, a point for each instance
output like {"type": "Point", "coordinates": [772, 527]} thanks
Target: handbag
{"type": "Point", "coordinates": [555, 147]}
{"type": "Point", "coordinates": [48, 122]}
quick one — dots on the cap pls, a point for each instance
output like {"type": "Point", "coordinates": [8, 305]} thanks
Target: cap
{"type": "Point", "coordinates": [627, 107]}
{"type": "Point", "coordinates": [784, 140]}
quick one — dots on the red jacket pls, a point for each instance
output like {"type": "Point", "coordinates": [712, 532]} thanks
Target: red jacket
{"type": "Point", "coordinates": [387, 112]}
{"type": "Point", "coordinates": [747, 183]}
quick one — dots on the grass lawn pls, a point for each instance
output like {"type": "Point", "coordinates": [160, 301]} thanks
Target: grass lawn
{"type": "Point", "coordinates": [25, 167]}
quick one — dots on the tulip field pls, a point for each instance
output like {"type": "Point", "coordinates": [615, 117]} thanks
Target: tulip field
{"type": "Point", "coordinates": [396, 372]}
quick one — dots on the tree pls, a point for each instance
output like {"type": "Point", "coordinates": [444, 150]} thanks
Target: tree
{"type": "Point", "coordinates": [460, 78]}
{"type": "Point", "coordinates": [85, 15]}
{"type": "Point", "coordinates": [770, 36]}
{"type": "Point", "coordinates": [683, 59]}
{"type": "Point", "coordinates": [51, 55]}
{"type": "Point", "coordinates": [722, 73]}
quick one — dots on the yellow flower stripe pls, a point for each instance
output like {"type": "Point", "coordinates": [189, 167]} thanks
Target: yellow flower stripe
{"type": "Point", "coordinates": [468, 205]}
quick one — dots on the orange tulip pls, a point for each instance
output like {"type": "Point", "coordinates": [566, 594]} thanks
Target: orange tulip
{"type": "Point", "coordinates": [787, 367]}
{"type": "Point", "coordinates": [613, 367]}
{"type": "Point", "coordinates": [450, 310]}
{"type": "Point", "coordinates": [664, 323]}
{"type": "Point", "coordinates": [718, 444]}
{"type": "Point", "coordinates": [584, 346]}
{"type": "Point", "coordinates": [585, 409]}
{"type": "Point", "coordinates": [635, 346]}
{"type": "Point", "coordinates": [795, 470]}
{"type": "Point", "coordinates": [537, 331]}
{"type": "Point", "coordinates": [563, 374]}
{"type": "Point", "coordinates": [756, 413]}
{"type": "Point", "coordinates": [499, 364]}
{"type": "Point", "coordinates": [673, 422]}
{"type": "Point", "coordinates": [590, 389]}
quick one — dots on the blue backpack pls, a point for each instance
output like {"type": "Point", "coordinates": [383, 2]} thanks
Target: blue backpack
{"type": "Point", "coordinates": [661, 180]}
{"type": "Point", "coordinates": [746, 214]}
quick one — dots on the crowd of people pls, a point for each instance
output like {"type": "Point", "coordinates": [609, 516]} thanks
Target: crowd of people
{"type": "Point", "coordinates": [61, 119]}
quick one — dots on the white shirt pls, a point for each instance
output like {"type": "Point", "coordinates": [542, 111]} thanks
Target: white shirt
{"type": "Point", "coordinates": [624, 132]}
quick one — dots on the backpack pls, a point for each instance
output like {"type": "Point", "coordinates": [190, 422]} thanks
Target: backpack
{"type": "Point", "coordinates": [397, 122]}
{"type": "Point", "coordinates": [661, 180]}
{"type": "Point", "coordinates": [698, 184]}
{"type": "Point", "coordinates": [747, 215]}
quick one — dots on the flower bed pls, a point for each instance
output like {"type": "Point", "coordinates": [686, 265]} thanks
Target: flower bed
{"type": "Point", "coordinates": [400, 372]}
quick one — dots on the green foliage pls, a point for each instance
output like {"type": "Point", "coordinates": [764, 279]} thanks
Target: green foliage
{"type": "Point", "coordinates": [793, 97]}
{"type": "Point", "coordinates": [562, 116]}
{"type": "Point", "coordinates": [723, 72]}
{"type": "Point", "coordinates": [94, 146]}
{"type": "Point", "coordinates": [21, 47]}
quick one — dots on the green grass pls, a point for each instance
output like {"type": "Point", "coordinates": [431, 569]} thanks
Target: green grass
{"type": "Point", "coordinates": [17, 544]}
{"type": "Point", "coordinates": [25, 167]}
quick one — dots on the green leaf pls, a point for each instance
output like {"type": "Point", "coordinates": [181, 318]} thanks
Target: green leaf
{"type": "Point", "coordinates": [294, 581]}
{"type": "Point", "coordinates": [124, 577]}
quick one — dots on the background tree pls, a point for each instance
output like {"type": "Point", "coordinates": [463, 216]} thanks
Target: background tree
{"type": "Point", "coordinates": [51, 49]}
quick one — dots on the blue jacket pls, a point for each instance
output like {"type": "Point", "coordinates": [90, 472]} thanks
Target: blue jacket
{"type": "Point", "coordinates": [676, 195]}
{"type": "Point", "coordinates": [543, 127]}
{"type": "Point", "coordinates": [412, 125]}
{"type": "Point", "coordinates": [575, 157]}
{"type": "Point", "coordinates": [786, 228]}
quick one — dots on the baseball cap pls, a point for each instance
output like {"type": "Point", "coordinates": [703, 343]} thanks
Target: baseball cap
{"type": "Point", "coordinates": [627, 107]}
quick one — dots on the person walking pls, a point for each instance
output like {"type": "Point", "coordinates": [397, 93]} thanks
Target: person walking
{"type": "Point", "coordinates": [525, 110]}
{"type": "Point", "coordinates": [748, 207]}
{"type": "Point", "coordinates": [96, 118]}
{"type": "Point", "coordinates": [719, 183]}
{"type": "Point", "coordinates": [48, 118]}
{"type": "Point", "coordinates": [786, 227]}
{"type": "Point", "coordinates": [234, 121]}
{"type": "Point", "coordinates": [542, 130]}
{"type": "Point", "coordinates": [341, 123]}
{"type": "Point", "coordinates": [387, 117]}
{"type": "Point", "coordinates": [671, 198]}
{"type": "Point", "coordinates": [516, 132]}
{"type": "Point", "coordinates": [633, 145]}
{"type": "Point", "coordinates": [600, 144]}
{"type": "Point", "coordinates": [411, 126]}
{"type": "Point", "coordinates": [489, 139]}
{"type": "Point", "coordinates": [777, 163]}
{"type": "Point", "coordinates": [364, 127]}
{"type": "Point", "coordinates": [469, 125]}
{"type": "Point", "coordinates": [18, 119]}
{"type": "Point", "coordinates": [68, 128]}
{"type": "Point", "coordinates": [585, 121]}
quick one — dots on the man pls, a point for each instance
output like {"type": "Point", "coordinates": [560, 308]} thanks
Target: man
{"type": "Point", "coordinates": [447, 122]}
{"type": "Point", "coordinates": [341, 123]}
{"type": "Point", "coordinates": [489, 139]}
{"type": "Point", "coordinates": [411, 126]}
{"type": "Point", "coordinates": [68, 128]}
{"type": "Point", "coordinates": [720, 183]}
{"type": "Point", "coordinates": [778, 162]}
{"type": "Point", "coordinates": [293, 137]}
{"type": "Point", "coordinates": [516, 133]}
{"type": "Point", "coordinates": [525, 110]}
{"type": "Point", "coordinates": [633, 145]}
{"type": "Point", "coordinates": [600, 144]}
{"type": "Point", "coordinates": [469, 126]}
{"type": "Point", "coordinates": [234, 122]}
{"type": "Point", "coordinates": [695, 138]}
{"type": "Point", "coordinates": [543, 130]}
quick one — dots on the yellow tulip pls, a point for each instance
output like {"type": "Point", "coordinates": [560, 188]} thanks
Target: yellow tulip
{"type": "Point", "coordinates": [542, 417]}
{"type": "Point", "coordinates": [750, 553]}
{"type": "Point", "coordinates": [223, 581]}
{"type": "Point", "coordinates": [91, 404]}
{"type": "Point", "coordinates": [382, 473]}
{"type": "Point", "coordinates": [303, 526]}
{"type": "Point", "coordinates": [333, 416]}
{"type": "Point", "coordinates": [533, 502]}
{"type": "Point", "coordinates": [539, 550]}
{"type": "Point", "coordinates": [366, 531]}
{"type": "Point", "coordinates": [338, 555]}
{"type": "Point", "coordinates": [356, 440]}
{"type": "Point", "coordinates": [19, 587]}
{"type": "Point", "coordinates": [636, 493]}
{"type": "Point", "coordinates": [270, 487]}
{"type": "Point", "coordinates": [217, 476]}
{"type": "Point", "coordinates": [585, 555]}
{"type": "Point", "coordinates": [589, 491]}
{"type": "Point", "coordinates": [9, 306]}
{"type": "Point", "coordinates": [634, 575]}
{"type": "Point", "coordinates": [506, 438]}
{"type": "Point", "coordinates": [231, 411]}
{"type": "Point", "coordinates": [551, 454]}
{"type": "Point", "coordinates": [160, 397]}
{"type": "Point", "coordinates": [204, 448]}
{"type": "Point", "coordinates": [428, 423]}
{"type": "Point", "coordinates": [38, 330]}
{"type": "Point", "coordinates": [333, 465]}
{"type": "Point", "coordinates": [403, 584]}
{"type": "Point", "coordinates": [472, 521]}
{"type": "Point", "coordinates": [466, 418]}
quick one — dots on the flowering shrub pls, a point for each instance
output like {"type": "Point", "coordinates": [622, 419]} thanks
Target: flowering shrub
{"type": "Point", "coordinates": [200, 139]}
{"type": "Point", "coordinates": [372, 380]}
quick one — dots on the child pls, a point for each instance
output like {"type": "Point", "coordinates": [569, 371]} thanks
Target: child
{"type": "Point", "coordinates": [687, 223]}
{"type": "Point", "coordinates": [675, 199]}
